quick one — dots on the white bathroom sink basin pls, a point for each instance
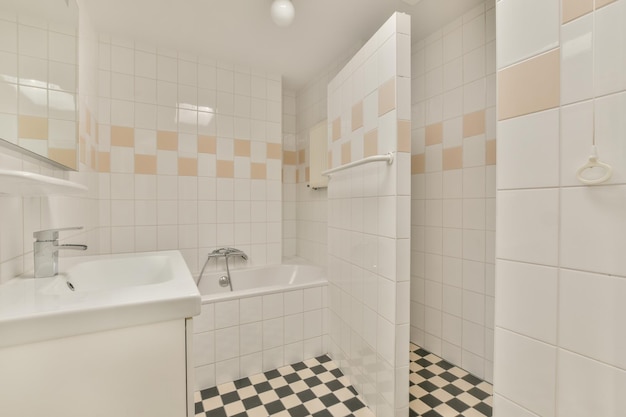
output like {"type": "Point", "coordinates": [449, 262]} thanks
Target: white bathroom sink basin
{"type": "Point", "coordinates": [113, 273]}
{"type": "Point", "coordinates": [109, 291]}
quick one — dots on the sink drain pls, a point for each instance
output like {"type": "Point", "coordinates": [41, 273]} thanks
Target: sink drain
{"type": "Point", "coordinates": [70, 286]}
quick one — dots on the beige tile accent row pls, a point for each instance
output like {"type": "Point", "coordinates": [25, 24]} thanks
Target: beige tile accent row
{"type": "Point", "coordinates": [188, 167]}
{"type": "Point", "coordinates": [370, 143]}
{"type": "Point", "coordinates": [387, 96]}
{"type": "Point", "coordinates": [66, 157]}
{"type": "Point", "coordinates": [530, 86]}
{"type": "Point", "coordinates": [418, 164]}
{"type": "Point", "coordinates": [404, 136]}
{"type": "Point", "coordinates": [274, 151]}
{"type": "Point", "coordinates": [357, 115]}
{"type": "Point", "coordinates": [122, 136]}
{"type": "Point", "coordinates": [225, 169]}
{"type": "Point", "coordinates": [453, 158]}
{"type": "Point", "coordinates": [289, 158]}
{"type": "Point", "coordinates": [242, 147]}
{"type": "Point", "coordinates": [573, 9]}
{"type": "Point", "coordinates": [490, 152]}
{"type": "Point", "coordinates": [145, 164]}
{"type": "Point", "coordinates": [167, 141]}
{"type": "Point", "coordinates": [207, 144]}
{"type": "Point", "coordinates": [602, 3]}
{"type": "Point", "coordinates": [104, 162]}
{"type": "Point", "coordinates": [346, 153]}
{"type": "Point", "coordinates": [302, 157]}
{"type": "Point", "coordinates": [474, 124]}
{"type": "Point", "coordinates": [32, 127]}
{"type": "Point", "coordinates": [434, 134]}
{"type": "Point", "coordinates": [258, 171]}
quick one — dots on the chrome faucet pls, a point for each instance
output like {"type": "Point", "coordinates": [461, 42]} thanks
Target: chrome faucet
{"type": "Point", "coordinates": [46, 248]}
{"type": "Point", "coordinates": [225, 253]}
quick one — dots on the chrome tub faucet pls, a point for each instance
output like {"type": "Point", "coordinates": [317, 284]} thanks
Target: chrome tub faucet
{"type": "Point", "coordinates": [46, 249]}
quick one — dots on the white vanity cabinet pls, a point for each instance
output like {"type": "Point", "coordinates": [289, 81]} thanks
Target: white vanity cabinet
{"type": "Point", "coordinates": [115, 343]}
{"type": "Point", "coordinates": [128, 372]}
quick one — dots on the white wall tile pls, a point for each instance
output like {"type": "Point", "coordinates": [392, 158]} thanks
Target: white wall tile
{"type": "Point", "coordinates": [526, 371]}
{"type": "Point", "coordinates": [590, 311]}
{"type": "Point", "coordinates": [577, 60]}
{"type": "Point", "coordinates": [586, 386]}
{"type": "Point", "coordinates": [515, 41]}
{"type": "Point", "coordinates": [593, 246]}
{"type": "Point", "coordinates": [610, 37]}
{"type": "Point", "coordinates": [527, 226]}
{"type": "Point", "coordinates": [521, 285]}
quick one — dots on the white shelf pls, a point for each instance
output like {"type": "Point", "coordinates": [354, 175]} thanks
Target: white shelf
{"type": "Point", "coordinates": [29, 184]}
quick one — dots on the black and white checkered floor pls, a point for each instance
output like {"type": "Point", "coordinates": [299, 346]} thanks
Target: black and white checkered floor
{"type": "Point", "coordinates": [316, 387]}
{"type": "Point", "coordinates": [440, 389]}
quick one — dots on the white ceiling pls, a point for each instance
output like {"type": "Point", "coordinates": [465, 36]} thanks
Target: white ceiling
{"type": "Point", "coordinates": [242, 31]}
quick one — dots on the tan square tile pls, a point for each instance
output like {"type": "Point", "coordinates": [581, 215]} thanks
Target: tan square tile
{"type": "Point", "coordinates": [301, 156]}
{"type": "Point", "coordinates": [307, 174]}
{"type": "Point", "coordinates": [370, 143]}
{"type": "Point", "coordinates": [258, 171]}
{"type": "Point", "coordinates": [225, 169]}
{"type": "Point", "coordinates": [336, 130]}
{"type": "Point", "coordinates": [65, 157]}
{"type": "Point", "coordinates": [453, 158]}
{"type": "Point", "coordinates": [206, 144]}
{"type": "Point", "coordinates": [145, 164]}
{"type": "Point", "coordinates": [167, 141]}
{"type": "Point", "coordinates": [404, 136]}
{"type": "Point", "coordinates": [530, 86]}
{"type": "Point", "coordinates": [289, 157]}
{"type": "Point", "coordinates": [242, 147]}
{"type": "Point", "coordinates": [418, 164]}
{"type": "Point", "coordinates": [573, 9]}
{"type": "Point", "coordinates": [434, 134]}
{"type": "Point", "coordinates": [387, 96]}
{"type": "Point", "coordinates": [474, 124]}
{"type": "Point", "coordinates": [122, 136]}
{"type": "Point", "coordinates": [104, 162]}
{"type": "Point", "coordinates": [490, 152]}
{"type": "Point", "coordinates": [346, 153]}
{"type": "Point", "coordinates": [32, 127]}
{"type": "Point", "coordinates": [357, 115]}
{"type": "Point", "coordinates": [602, 3]}
{"type": "Point", "coordinates": [274, 150]}
{"type": "Point", "coordinates": [188, 167]}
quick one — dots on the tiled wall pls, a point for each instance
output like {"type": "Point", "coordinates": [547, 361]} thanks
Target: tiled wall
{"type": "Point", "coordinates": [289, 173]}
{"type": "Point", "coordinates": [21, 216]}
{"type": "Point", "coordinates": [190, 154]}
{"type": "Point", "coordinates": [369, 218]}
{"type": "Point", "coordinates": [38, 94]}
{"type": "Point", "coordinates": [453, 197]}
{"type": "Point", "coordinates": [561, 272]}
{"type": "Point", "coordinates": [238, 338]}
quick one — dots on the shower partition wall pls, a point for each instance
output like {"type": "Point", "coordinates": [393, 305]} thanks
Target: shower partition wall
{"type": "Point", "coordinates": [369, 113]}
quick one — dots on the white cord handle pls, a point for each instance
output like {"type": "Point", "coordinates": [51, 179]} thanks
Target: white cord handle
{"type": "Point", "coordinates": [592, 163]}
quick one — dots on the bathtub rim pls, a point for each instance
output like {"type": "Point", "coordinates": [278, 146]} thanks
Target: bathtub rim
{"type": "Point", "coordinates": [261, 291]}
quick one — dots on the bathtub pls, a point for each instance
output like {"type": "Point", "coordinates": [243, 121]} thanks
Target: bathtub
{"type": "Point", "coordinates": [276, 315]}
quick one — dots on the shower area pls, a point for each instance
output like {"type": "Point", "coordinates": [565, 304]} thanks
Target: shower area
{"type": "Point", "coordinates": [410, 245]}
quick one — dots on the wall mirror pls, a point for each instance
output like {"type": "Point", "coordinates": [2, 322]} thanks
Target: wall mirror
{"type": "Point", "coordinates": [39, 79]}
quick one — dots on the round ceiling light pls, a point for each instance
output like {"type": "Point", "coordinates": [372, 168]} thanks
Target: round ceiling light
{"type": "Point", "coordinates": [282, 12]}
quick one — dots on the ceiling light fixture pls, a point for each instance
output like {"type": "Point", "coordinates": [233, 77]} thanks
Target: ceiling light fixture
{"type": "Point", "coordinates": [283, 12]}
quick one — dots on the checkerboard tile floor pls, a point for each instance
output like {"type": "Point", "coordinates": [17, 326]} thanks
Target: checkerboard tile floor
{"type": "Point", "coordinates": [440, 389]}
{"type": "Point", "coordinates": [316, 387]}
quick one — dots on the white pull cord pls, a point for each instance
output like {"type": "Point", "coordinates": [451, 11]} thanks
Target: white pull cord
{"type": "Point", "coordinates": [600, 171]}
{"type": "Point", "coordinates": [593, 165]}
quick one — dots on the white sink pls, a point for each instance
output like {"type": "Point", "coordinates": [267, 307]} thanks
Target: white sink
{"type": "Point", "coordinates": [113, 273]}
{"type": "Point", "coordinates": [109, 291]}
